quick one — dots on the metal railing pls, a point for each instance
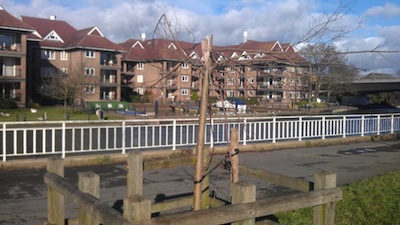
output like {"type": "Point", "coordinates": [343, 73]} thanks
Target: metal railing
{"type": "Point", "coordinates": [77, 137]}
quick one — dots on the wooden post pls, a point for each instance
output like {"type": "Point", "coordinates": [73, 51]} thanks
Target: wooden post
{"type": "Point", "coordinates": [243, 192]}
{"type": "Point", "coordinates": [89, 182]}
{"type": "Point", "coordinates": [206, 182]}
{"type": "Point", "coordinates": [55, 200]}
{"type": "Point", "coordinates": [233, 154]}
{"type": "Point", "coordinates": [324, 214]}
{"type": "Point", "coordinates": [135, 174]}
{"type": "Point", "coordinates": [137, 209]}
{"type": "Point", "coordinates": [206, 47]}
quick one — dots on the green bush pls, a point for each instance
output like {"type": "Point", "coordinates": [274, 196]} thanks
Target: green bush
{"type": "Point", "coordinates": [8, 104]}
{"type": "Point", "coordinates": [252, 101]}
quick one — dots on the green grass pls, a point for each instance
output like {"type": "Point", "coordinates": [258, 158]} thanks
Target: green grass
{"type": "Point", "coordinates": [373, 201]}
{"type": "Point", "coordinates": [53, 114]}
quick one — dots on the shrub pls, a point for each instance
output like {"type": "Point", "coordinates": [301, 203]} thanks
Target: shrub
{"type": "Point", "coordinates": [8, 104]}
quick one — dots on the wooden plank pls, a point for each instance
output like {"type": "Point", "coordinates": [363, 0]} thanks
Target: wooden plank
{"type": "Point", "coordinates": [243, 192]}
{"type": "Point", "coordinates": [99, 210]}
{"type": "Point", "coordinates": [168, 163]}
{"type": "Point", "coordinates": [135, 174]}
{"type": "Point", "coordinates": [55, 200]}
{"type": "Point", "coordinates": [172, 204]}
{"type": "Point", "coordinates": [137, 209]}
{"type": "Point", "coordinates": [233, 155]}
{"type": "Point", "coordinates": [232, 213]}
{"type": "Point", "coordinates": [324, 214]}
{"type": "Point", "coordinates": [278, 179]}
{"type": "Point", "coordinates": [88, 182]}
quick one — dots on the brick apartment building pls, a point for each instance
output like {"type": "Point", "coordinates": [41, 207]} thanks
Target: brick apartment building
{"type": "Point", "coordinates": [161, 69]}
{"type": "Point", "coordinates": [13, 57]}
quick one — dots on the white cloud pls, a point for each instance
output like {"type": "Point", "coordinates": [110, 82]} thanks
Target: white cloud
{"type": "Point", "coordinates": [388, 9]}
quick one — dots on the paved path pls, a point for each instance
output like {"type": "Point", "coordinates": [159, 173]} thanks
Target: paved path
{"type": "Point", "coordinates": [23, 196]}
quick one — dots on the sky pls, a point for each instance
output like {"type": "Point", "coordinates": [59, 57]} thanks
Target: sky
{"type": "Point", "coordinates": [368, 29]}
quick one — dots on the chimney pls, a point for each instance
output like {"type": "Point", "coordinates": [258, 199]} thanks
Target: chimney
{"type": "Point", "coordinates": [143, 36]}
{"type": "Point", "coordinates": [244, 36]}
{"type": "Point", "coordinates": [53, 17]}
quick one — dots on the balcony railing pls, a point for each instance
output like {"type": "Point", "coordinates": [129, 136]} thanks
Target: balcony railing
{"type": "Point", "coordinates": [10, 73]}
{"type": "Point", "coordinates": [12, 48]}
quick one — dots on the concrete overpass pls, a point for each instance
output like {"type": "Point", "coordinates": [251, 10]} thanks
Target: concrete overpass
{"type": "Point", "coordinates": [371, 86]}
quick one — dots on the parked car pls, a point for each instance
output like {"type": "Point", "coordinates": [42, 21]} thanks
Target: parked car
{"type": "Point", "coordinates": [237, 104]}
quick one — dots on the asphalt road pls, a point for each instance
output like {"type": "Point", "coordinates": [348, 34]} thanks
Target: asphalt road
{"type": "Point", "coordinates": [23, 196]}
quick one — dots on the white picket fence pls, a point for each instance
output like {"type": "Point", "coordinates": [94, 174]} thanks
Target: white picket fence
{"type": "Point", "coordinates": [27, 139]}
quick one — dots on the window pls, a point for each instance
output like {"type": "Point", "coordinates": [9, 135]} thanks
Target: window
{"type": "Point", "coordinates": [185, 78]}
{"type": "Point", "coordinates": [185, 66]}
{"type": "Point", "coordinates": [140, 66]}
{"type": "Point", "coordinates": [231, 81]}
{"type": "Point", "coordinates": [64, 55]}
{"type": "Point", "coordinates": [139, 78]}
{"type": "Point", "coordinates": [90, 89]}
{"type": "Point", "coordinates": [230, 93]}
{"type": "Point", "coordinates": [64, 71]}
{"type": "Point", "coordinates": [47, 71]}
{"type": "Point", "coordinates": [90, 71]}
{"type": "Point", "coordinates": [291, 95]}
{"type": "Point", "coordinates": [251, 80]}
{"type": "Point", "coordinates": [140, 91]}
{"type": "Point", "coordinates": [48, 54]}
{"type": "Point", "coordinates": [184, 91]}
{"type": "Point", "coordinates": [89, 54]}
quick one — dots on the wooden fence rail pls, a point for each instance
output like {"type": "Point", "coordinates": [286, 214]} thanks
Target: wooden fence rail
{"type": "Point", "coordinates": [243, 209]}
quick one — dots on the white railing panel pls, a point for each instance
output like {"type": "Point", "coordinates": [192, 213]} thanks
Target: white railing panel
{"type": "Point", "coordinates": [72, 137]}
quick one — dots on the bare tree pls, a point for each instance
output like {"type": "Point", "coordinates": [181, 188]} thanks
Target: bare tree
{"type": "Point", "coordinates": [329, 69]}
{"type": "Point", "coordinates": [64, 87]}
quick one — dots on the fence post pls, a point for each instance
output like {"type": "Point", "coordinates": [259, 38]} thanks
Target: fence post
{"type": "Point", "coordinates": [174, 135]}
{"type": "Point", "coordinates": [378, 122]}
{"type": "Point", "coordinates": [300, 128]}
{"type": "Point", "coordinates": [243, 192]}
{"type": "Point", "coordinates": [245, 130]}
{"type": "Point", "coordinates": [55, 200]}
{"type": "Point", "coordinates": [123, 137]}
{"type": "Point", "coordinates": [205, 195]}
{"type": "Point", "coordinates": [344, 126]}
{"type": "Point", "coordinates": [89, 182]}
{"type": "Point", "coordinates": [362, 125]}
{"type": "Point", "coordinates": [4, 142]}
{"type": "Point", "coordinates": [135, 174]}
{"type": "Point", "coordinates": [212, 133]}
{"type": "Point", "coordinates": [323, 127]}
{"type": "Point", "coordinates": [324, 214]}
{"type": "Point", "coordinates": [274, 130]}
{"type": "Point", "coordinates": [63, 140]}
{"type": "Point", "coordinates": [233, 155]}
{"type": "Point", "coordinates": [136, 207]}
{"type": "Point", "coordinates": [392, 124]}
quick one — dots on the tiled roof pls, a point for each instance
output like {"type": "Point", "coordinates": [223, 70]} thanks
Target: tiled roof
{"type": "Point", "coordinates": [162, 49]}
{"type": "Point", "coordinates": [69, 37]}
{"type": "Point", "coordinates": [7, 21]}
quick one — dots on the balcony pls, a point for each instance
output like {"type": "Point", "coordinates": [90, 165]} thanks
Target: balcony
{"type": "Point", "coordinates": [11, 74]}
{"type": "Point", "coordinates": [10, 47]}
{"type": "Point", "coordinates": [171, 85]}
{"type": "Point", "coordinates": [109, 80]}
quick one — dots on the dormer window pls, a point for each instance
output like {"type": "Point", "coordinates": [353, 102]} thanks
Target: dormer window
{"type": "Point", "coordinates": [53, 36]}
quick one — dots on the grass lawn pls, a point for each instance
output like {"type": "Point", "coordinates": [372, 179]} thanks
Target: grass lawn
{"type": "Point", "coordinates": [53, 113]}
{"type": "Point", "coordinates": [372, 201]}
